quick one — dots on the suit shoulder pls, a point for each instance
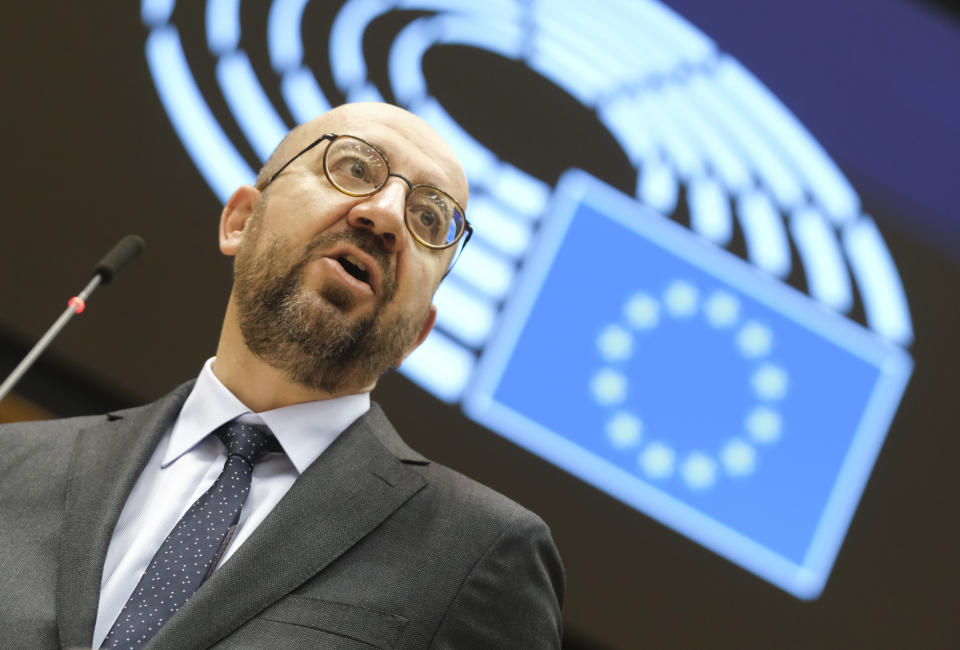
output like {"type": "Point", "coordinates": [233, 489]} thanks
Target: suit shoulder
{"type": "Point", "coordinates": [446, 487]}
{"type": "Point", "coordinates": [511, 578]}
{"type": "Point", "coordinates": [38, 431]}
{"type": "Point", "coordinates": [453, 489]}
{"type": "Point", "coordinates": [60, 429]}
{"type": "Point", "coordinates": [38, 449]}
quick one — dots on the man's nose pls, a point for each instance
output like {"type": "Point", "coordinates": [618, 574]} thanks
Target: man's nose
{"type": "Point", "coordinates": [382, 213]}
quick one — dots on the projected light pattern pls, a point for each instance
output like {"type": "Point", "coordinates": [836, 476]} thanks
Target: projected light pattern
{"type": "Point", "coordinates": [715, 126]}
{"type": "Point", "coordinates": [695, 124]}
{"type": "Point", "coordinates": [697, 401]}
{"type": "Point", "coordinates": [617, 343]}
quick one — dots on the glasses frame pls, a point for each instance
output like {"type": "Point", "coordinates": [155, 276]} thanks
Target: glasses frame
{"type": "Point", "coordinates": [467, 228]}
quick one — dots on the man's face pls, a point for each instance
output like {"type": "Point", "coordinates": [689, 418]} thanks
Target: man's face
{"type": "Point", "coordinates": [333, 289]}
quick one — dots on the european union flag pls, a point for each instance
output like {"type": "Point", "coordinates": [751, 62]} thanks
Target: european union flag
{"type": "Point", "coordinates": [690, 385]}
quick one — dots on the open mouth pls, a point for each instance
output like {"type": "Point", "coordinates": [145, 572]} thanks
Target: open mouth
{"type": "Point", "coordinates": [355, 267]}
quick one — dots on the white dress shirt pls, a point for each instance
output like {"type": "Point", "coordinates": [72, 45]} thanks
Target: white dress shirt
{"type": "Point", "coordinates": [188, 461]}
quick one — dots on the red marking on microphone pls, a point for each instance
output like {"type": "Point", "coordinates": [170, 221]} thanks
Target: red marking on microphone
{"type": "Point", "coordinates": [77, 303]}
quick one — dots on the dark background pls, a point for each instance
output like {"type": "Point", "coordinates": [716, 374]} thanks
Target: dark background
{"type": "Point", "coordinates": [90, 155]}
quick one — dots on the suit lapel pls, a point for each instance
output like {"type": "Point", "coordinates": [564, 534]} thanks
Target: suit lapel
{"type": "Point", "coordinates": [346, 493]}
{"type": "Point", "coordinates": [107, 459]}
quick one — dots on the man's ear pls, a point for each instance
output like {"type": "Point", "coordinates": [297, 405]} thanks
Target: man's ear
{"type": "Point", "coordinates": [234, 218]}
{"type": "Point", "coordinates": [427, 327]}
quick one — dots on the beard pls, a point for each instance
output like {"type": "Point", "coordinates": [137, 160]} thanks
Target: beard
{"type": "Point", "coordinates": [315, 342]}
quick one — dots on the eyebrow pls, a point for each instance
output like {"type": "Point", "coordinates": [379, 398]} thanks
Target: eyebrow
{"type": "Point", "coordinates": [383, 152]}
{"type": "Point", "coordinates": [438, 200]}
{"type": "Point", "coordinates": [376, 145]}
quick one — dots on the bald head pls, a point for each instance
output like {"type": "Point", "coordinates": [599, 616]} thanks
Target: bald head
{"type": "Point", "coordinates": [397, 132]}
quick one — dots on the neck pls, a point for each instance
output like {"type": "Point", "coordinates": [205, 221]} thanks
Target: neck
{"type": "Point", "coordinates": [260, 386]}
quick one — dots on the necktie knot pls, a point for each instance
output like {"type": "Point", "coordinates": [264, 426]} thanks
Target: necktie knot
{"type": "Point", "coordinates": [244, 440]}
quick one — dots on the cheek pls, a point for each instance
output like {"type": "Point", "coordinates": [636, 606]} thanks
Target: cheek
{"type": "Point", "coordinates": [418, 278]}
{"type": "Point", "coordinates": [304, 212]}
{"type": "Point", "coordinates": [426, 265]}
{"type": "Point", "coordinates": [414, 300]}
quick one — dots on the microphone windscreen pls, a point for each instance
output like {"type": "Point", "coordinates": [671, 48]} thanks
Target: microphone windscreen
{"type": "Point", "coordinates": [118, 257]}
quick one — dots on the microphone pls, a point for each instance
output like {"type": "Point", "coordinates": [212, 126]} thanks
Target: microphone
{"type": "Point", "coordinates": [119, 256]}
{"type": "Point", "coordinates": [125, 251]}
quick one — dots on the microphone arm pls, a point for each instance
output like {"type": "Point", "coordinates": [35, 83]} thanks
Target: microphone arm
{"type": "Point", "coordinates": [118, 257]}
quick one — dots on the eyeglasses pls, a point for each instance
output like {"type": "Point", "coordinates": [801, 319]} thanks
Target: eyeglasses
{"type": "Point", "coordinates": [357, 168]}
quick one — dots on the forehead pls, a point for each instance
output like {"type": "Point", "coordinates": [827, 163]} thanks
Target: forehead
{"type": "Point", "coordinates": [412, 147]}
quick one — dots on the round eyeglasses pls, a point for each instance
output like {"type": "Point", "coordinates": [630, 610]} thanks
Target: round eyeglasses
{"type": "Point", "coordinates": [357, 168]}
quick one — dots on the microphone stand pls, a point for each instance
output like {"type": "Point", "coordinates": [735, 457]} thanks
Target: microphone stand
{"type": "Point", "coordinates": [74, 306]}
{"type": "Point", "coordinates": [121, 254]}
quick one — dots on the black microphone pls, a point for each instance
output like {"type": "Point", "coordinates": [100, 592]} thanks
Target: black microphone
{"type": "Point", "coordinates": [119, 256]}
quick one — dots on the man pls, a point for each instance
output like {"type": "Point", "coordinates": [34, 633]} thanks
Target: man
{"type": "Point", "coordinates": [323, 529]}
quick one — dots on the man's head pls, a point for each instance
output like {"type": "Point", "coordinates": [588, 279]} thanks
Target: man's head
{"type": "Point", "coordinates": [332, 289]}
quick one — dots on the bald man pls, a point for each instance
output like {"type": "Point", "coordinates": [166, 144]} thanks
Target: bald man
{"type": "Point", "coordinates": [327, 529]}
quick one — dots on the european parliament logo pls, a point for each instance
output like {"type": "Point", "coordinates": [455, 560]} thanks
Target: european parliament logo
{"type": "Point", "coordinates": [644, 357]}
{"type": "Point", "coordinates": [695, 388]}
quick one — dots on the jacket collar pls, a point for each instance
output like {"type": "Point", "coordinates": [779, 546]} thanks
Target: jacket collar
{"type": "Point", "coordinates": [107, 459]}
{"type": "Point", "coordinates": [346, 493]}
{"type": "Point", "coordinates": [363, 478]}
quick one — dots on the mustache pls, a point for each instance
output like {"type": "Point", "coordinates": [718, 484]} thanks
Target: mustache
{"type": "Point", "coordinates": [366, 241]}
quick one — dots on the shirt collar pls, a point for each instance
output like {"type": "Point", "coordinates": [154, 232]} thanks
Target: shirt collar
{"type": "Point", "coordinates": [304, 430]}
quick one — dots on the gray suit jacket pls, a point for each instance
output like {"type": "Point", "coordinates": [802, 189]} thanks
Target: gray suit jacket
{"type": "Point", "coordinates": [374, 546]}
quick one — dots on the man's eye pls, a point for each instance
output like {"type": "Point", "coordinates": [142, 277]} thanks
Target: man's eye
{"type": "Point", "coordinates": [428, 218]}
{"type": "Point", "coordinates": [355, 170]}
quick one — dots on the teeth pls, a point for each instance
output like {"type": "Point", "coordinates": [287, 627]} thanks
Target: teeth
{"type": "Point", "coordinates": [357, 263]}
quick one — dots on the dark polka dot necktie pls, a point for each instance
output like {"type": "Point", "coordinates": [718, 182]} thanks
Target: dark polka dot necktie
{"type": "Point", "coordinates": [193, 548]}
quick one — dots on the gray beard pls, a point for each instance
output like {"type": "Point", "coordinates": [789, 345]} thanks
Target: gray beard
{"type": "Point", "coordinates": [315, 343]}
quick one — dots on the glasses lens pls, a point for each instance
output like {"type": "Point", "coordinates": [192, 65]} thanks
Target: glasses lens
{"type": "Point", "coordinates": [354, 166]}
{"type": "Point", "coordinates": [434, 216]}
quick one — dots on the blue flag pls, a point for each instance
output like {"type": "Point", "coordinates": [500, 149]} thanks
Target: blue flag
{"type": "Point", "coordinates": [689, 384]}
